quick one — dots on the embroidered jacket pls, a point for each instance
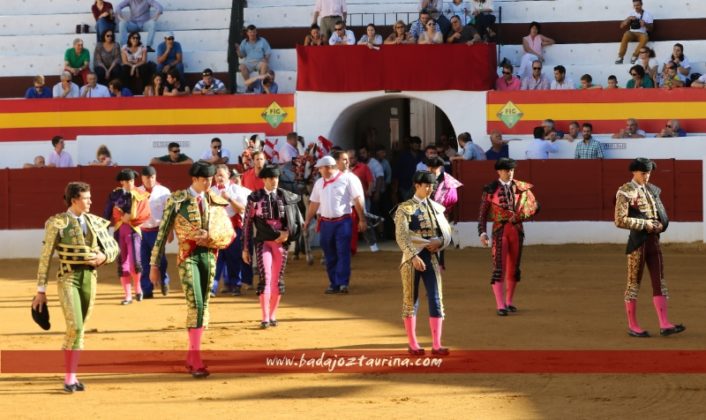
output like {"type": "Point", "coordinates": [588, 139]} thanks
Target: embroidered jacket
{"type": "Point", "coordinates": [266, 216]}
{"type": "Point", "coordinates": [633, 207]}
{"type": "Point", "coordinates": [135, 202]}
{"type": "Point", "coordinates": [416, 223]}
{"type": "Point", "coordinates": [182, 214]}
{"type": "Point", "coordinates": [495, 207]}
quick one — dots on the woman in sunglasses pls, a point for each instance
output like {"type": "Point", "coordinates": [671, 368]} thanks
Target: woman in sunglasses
{"type": "Point", "coordinates": [399, 34]}
{"type": "Point", "coordinates": [430, 34]}
{"type": "Point", "coordinates": [106, 58]}
{"type": "Point", "coordinates": [136, 68]}
{"type": "Point", "coordinates": [639, 78]}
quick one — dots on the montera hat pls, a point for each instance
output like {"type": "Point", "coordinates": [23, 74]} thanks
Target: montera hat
{"type": "Point", "coordinates": [42, 318]}
{"type": "Point", "coordinates": [423, 177]}
{"type": "Point", "coordinates": [202, 169]}
{"type": "Point", "coordinates": [505, 163]}
{"type": "Point", "coordinates": [269, 171]}
{"type": "Point", "coordinates": [642, 165]}
{"type": "Point", "coordinates": [126, 174]}
{"type": "Point", "coordinates": [149, 171]}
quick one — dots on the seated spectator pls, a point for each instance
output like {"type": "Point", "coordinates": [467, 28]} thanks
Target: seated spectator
{"type": "Point", "coordinates": [37, 163]}
{"type": "Point", "coordinates": [638, 24]}
{"type": "Point", "coordinates": [549, 127]}
{"type": "Point", "coordinates": [156, 88]}
{"type": "Point", "coordinates": [639, 79]}
{"type": "Point", "coordinates": [431, 35]}
{"type": "Point", "coordinates": [632, 131]}
{"type": "Point", "coordinates": [92, 89]}
{"type": "Point", "coordinates": [483, 18]}
{"type": "Point", "coordinates": [105, 18]}
{"type": "Point", "coordinates": [174, 157]}
{"type": "Point", "coordinates": [341, 35]}
{"type": "Point", "coordinates": [586, 82]}
{"type": "Point", "coordinates": [58, 157]}
{"type": "Point", "coordinates": [38, 91]}
{"type": "Point", "coordinates": [471, 151]}
{"type": "Point", "coordinates": [588, 147]}
{"type": "Point", "coordinates": [170, 56]}
{"type": "Point", "coordinates": [254, 53]}
{"type": "Point", "coordinates": [460, 9]}
{"type": "Point", "coordinates": [370, 38]}
{"type": "Point", "coordinates": [683, 66]}
{"type": "Point", "coordinates": [507, 81]}
{"type": "Point", "coordinates": [537, 81]}
{"type": "Point", "coordinates": [264, 83]}
{"type": "Point", "coordinates": [672, 129]}
{"type": "Point", "coordinates": [116, 89]}
{"type": "Point", "coordinates": [107, 61]}
{"type": "Point", "coordinates": [700, 82]}
{"type": "Point", "coordinates": [462, 34]}
{"type": "Point", "coordinates": [420, 25]}
{"type": "Point", "coordinates": [612, 82]}
{"type": "Point", "coordinates": [647, 60]}
{"type": "Point", "coordinates": [209, 85]}
{"type": "Point", "coordinates": [533, 45]}
{"type": "Point", "coordinates": [139, 19]}
{"type": "Point", "coordinates": [540, 148]}
{"type": "Point", "coordinates": [137, 71]}
{"type": "Point", "coordinates": [216, 154]}
{"type": "Point", "coordinates": [671, 79]}
{"type": "Point", "coordinates": [573, 133]}
{"type": "Point", "coordinates": [76, 61]}
{"type": "Point", "coordinates": [174, 87]}
{"type": "Point", "coordinates": [561, 82]}
{"type": "Point", "coordinates": [65, 88]}
{"type": "Point", "coordinates": [314, 38]}
{"type": "Point", "coordinates": [103, 157]}
{"type": "Point", "coordinates": [498, 147]}
{"type": "Point", "coordinates": [399, 35]}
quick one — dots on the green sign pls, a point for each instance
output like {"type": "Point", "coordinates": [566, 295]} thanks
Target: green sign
{"type": "Point", "coordinates": [274, 115]}
{"type": "Point", "coordinates": [510, 114]}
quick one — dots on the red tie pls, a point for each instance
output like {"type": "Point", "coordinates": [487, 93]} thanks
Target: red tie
{"type": "Point", "coordinates": [199, 200]}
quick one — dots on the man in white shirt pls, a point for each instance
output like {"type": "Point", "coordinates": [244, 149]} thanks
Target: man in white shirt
{"type": "Point", "coordinates": [158, 198]}
{"type": "Point", "coordinates": [331, 197]}
{"type": "Point", "coordinates": [631, 131]}
{"type": "Point", "coordinates": [638, 23]}
{"type": "Point", "coordinates": [330, 11]}
{"type": "Point", "coordinates": [231, 259]}
{"type": "Point", "coordinates": [287, 152]}
{"type": "Point", "coordinates": [92, 89]}
{"type": "Point", "coordinates": [540, 148]}
{"type": "Point", "coordinates": [341, 35]}
{"type": "Point", "coordinates": [537, 80]}
{"type": "Point", "coordinates": [216, 154]}
{"type": "Point", "coordinates": [65, 88]}
{"type": "Point", "coordinates": [59, 158]}
{"type": "Point", "coordinates": [561, 82]}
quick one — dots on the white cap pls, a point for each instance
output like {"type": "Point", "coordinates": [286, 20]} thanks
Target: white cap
{"type": "Point", "coordinates": [325, 161]}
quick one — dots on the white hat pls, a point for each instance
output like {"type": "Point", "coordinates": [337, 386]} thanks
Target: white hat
{"type": "Point", "coordinates": [325, 161]}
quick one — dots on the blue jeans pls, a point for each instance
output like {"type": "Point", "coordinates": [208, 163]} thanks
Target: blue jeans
{"type": "Point", "coordinates": [148, 239]}
{"type": "Point", "coordinates": [103, 25]}
{"type": "Point", "coordinates": [230, 263]}
{"type": "Point", "coordinates": [179, 67]}
{"type": "Point", "coordinates": [335, 240]}
{"type": "Point", "coordinates": [125, 27]}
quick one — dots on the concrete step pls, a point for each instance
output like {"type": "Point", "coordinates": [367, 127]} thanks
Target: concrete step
{"type": "Point", "coordinates": [66, 23]}
{"type": "Point", "coordinates": [51, 7]}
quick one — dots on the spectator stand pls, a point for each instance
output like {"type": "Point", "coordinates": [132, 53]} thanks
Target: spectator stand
{"type": "Point", "coordinates": [33, 40]}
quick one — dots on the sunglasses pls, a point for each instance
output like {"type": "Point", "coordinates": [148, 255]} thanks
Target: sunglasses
{"type": "Point", "coordinates": [668, 126]}
{"type": "Point", "coordinates": [633, 74]}
{"type": "Point", "coordinates": [536, 68]}
{"type": "Point", "coordinates": [108, 35]}
{"type": "Point", "coordinates": [507, 72]}
{"type": "Point", "coordinates": [170, 38]}
{"type": "Point", "coordinates": [175, 151]}
{"type": "Point", "coordinates": [430, 24]}
{"type": "Point", "coordinates": [399, 27]}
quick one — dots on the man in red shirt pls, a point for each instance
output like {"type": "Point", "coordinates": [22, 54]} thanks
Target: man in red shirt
{"type": "Point", "coordinates": [250, 177]}
{"type": "Point", "coordinates": [363, 172]}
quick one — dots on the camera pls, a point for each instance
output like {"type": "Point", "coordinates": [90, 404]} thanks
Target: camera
{"type": "Point", "coordinates": [635, 24]}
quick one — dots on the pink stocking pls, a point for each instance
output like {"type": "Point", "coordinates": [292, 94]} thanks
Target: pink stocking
{"type": "Point", "coordinates": [498, 292]}
{"type": "Point", "coordinates": [265, 306]}
{"type": "Point", "coordinates": [510, 292]}
{"type": "Point", "coordinates": [136, 282]}
{"type": "Point", "coordinates": [70, 376]}
{"type": "Point", "coordinates": [194, 357]}
{"type": "Point", "coordinates": [274, 303]}
{"type": "Point", "coordinates": [125, 281]}
{"type": "Point", "coordinates": [660, 303]}
{"type": "Point", "coordinates": [435, 325]}
{"type": "Point", "coordinates": [410, 325]}
{"type": "Point", "coordinates": [631, 311]}
{"type": "Point", "coordinates": [276, 255]}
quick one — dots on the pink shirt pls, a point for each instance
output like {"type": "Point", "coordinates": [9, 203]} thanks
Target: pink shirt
{"type": "Point", "coordinates": [331, 7]}
{"type": "Point", "coordinates": [514, 84]}
{"type": "Point", "coordinates": [534, 44]}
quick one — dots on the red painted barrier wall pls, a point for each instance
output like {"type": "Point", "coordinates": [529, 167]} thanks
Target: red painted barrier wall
{"type": "Point", "coordinates": [567, 189]}
{"type": "Point", "coordinates": [584, 189]}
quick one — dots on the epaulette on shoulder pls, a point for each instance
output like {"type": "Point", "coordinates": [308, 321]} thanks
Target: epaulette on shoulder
{"type": "Point", "coordinates": [179, 196]}
{"type": "Point", "coordinates": [216, 199]}
{"type": "Point", "coordinates": [628, 190]}
{"type": "Point", "coordinates": [523, 186]}
{"type": "Point", "coordinates": [490, 188]}
{"type": "Point", "coordinates": [59, 220]}
{"type": "Point", "coordinates": [408, 207]}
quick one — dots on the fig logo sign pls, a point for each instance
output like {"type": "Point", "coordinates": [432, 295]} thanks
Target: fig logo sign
{"type": "Point", "coordinates": [510, 114]}
{"type": "Point", "coordinates": [274, 115]}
